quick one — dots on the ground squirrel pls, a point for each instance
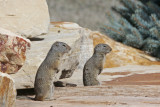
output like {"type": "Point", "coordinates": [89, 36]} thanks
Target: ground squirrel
{"type": "Point", "coordinates": [94, 65]}
{"type": "Point", "coordinates": [44, 80]}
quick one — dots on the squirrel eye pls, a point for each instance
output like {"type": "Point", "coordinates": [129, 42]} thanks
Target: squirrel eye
{"type": "Point", "coordinates": [104, 46]}
{"type": "Point", "coordinates": [64, 45]}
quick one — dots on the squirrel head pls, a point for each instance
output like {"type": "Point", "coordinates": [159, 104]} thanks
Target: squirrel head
{"type": "Point", "coordinates": [60, 47]}
{"type": "Point", "coordinates": [102, 48]}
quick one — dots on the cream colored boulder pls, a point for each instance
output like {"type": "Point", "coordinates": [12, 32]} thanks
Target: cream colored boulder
{"type": "Point", "coordinates": [28, 18]}
{"type": "Point", "coordinates": [12, 51]}
{"type": "Point", "coordinates": [82, 42]}
{"type": "Point", "coordinates": [8, 91]}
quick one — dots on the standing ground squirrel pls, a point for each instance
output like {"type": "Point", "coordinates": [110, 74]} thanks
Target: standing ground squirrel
{"type": "Point", "coordinates": [94, 65]}
{"type": "Point", "coordinates": [44, 81]}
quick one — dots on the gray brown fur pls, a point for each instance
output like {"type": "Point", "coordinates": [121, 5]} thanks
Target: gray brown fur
{"type": "Point", "coordinates": [94, 65]}
{"type": "Point", "coordinates": [44, 81]}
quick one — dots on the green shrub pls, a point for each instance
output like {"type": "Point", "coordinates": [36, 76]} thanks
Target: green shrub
{"type": "Point", "coordinates": [138, 26]}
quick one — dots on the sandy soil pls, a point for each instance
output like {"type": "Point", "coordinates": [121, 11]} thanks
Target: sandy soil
{"type": "Point", "coordinates": [111, 95]}
{"type": "Point", "coordinates": [135, 90]}
{"type": "Point", "coordinates": [136, 79]}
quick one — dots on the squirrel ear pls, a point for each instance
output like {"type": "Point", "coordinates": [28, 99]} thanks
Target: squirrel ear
{"type": "Point", "coordinates": [56, 43]}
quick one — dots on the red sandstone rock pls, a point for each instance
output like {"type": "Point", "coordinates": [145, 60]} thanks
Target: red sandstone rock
{"type": "Point", "coordinates": [12, 51]}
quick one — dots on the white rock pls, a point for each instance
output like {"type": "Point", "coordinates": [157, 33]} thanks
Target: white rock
{"type": "Point", "coordinates": [28, 18]}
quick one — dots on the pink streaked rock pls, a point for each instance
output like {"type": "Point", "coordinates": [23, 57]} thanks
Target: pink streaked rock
{"type": "Point", "coordinates": [12, 51]}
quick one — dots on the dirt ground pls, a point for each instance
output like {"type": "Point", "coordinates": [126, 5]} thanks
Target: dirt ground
{"type": "Point", "coordinates": [111, 95]}
{"type": "Point", "coordinates": [135, 90]}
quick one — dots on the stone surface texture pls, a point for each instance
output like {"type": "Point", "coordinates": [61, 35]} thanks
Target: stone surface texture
{"type": "Point", "coordinates": [7, 91]}
{"type": "Point", "coordinates": [82, 42]}
{"type": "Point", "coordinates": [12, 51]}
{"type": "Point", "coordinates": [28, 18]}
